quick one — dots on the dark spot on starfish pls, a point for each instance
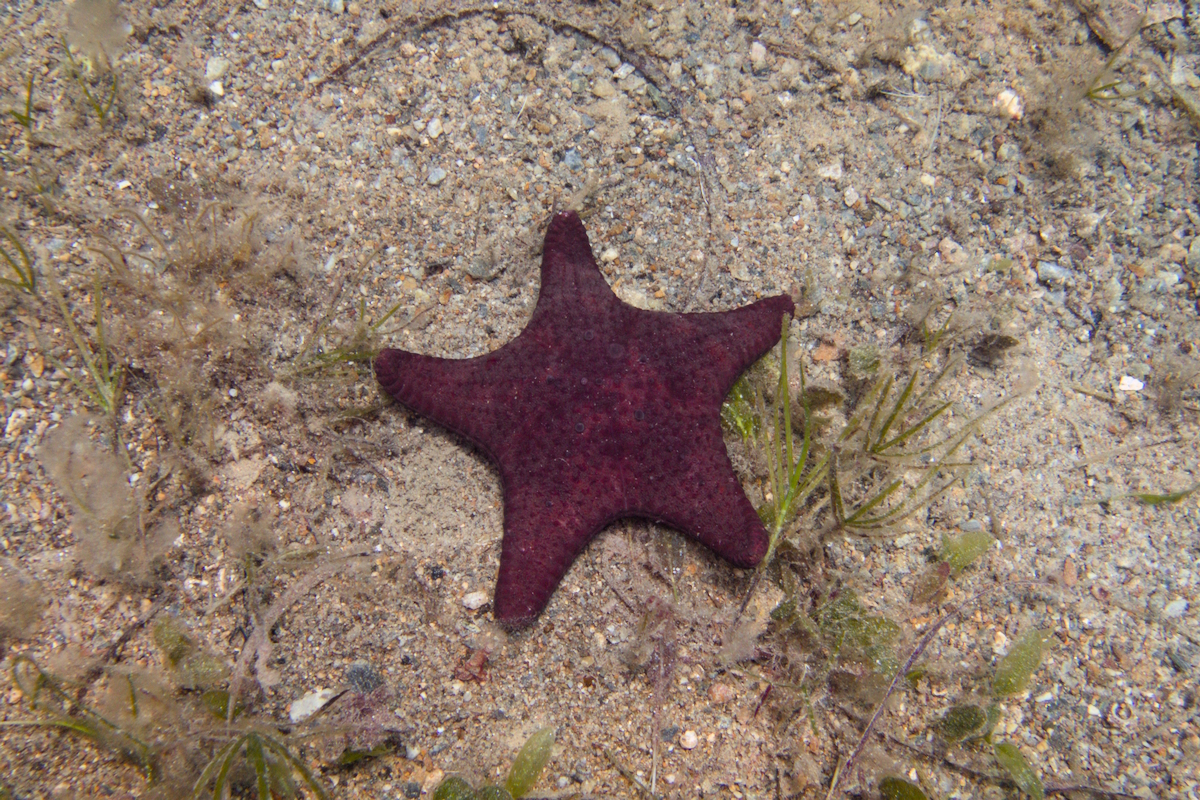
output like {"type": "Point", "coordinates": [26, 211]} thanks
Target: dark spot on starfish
{"type": "Point", "coordinates": [560, 491]}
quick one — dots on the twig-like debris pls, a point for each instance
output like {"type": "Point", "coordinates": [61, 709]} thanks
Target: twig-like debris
{"type": "Point", "coordinates": [979, 775]}
{"type": "Point", "coordinates": [113, 649]}
{"type": "Point", "coordinates": [926, 640]}
{"type": "Point", "coordinates": [629, 776]}
{"type": "Point", "coordinates": [260, 637]}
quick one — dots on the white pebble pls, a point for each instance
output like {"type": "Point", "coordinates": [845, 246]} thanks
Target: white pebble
{"type": "Point", "coordinates": [689, 740]}
{"type": "Point", "coordinates": [434, 128]}
{"type": "Point", "coordinates": [1128, 383]}
{"type": "Point", "coordinates": [475, 600]}
{"type": "Point", "coordinates": [758, 55]}
{"type": "Point", "coordinates": [1175, 608]}
{"type": "Point", "coordinates": [308, 705]}
{"type": "Point", "coordinates": [1008, 102]}
{"type": "Point", "coordinates": [215, 68]}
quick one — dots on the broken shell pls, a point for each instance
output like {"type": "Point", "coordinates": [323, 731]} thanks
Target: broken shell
{"type": "Point", "coordinates": [1008, 102]}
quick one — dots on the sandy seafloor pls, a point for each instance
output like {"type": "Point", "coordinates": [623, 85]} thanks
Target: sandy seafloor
{"type": "Point", "coordinates": [1019, 168]}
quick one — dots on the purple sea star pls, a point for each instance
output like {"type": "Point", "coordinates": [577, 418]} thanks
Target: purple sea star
{"type": "Point", "coordinates": [597, 411]}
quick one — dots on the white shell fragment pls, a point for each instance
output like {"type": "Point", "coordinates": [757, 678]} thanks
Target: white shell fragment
{"type": "Point", "coordinates": [310, 704]}
{"type": "Point", "coordinates": [689, 740]}
{"type": "Point", "coordinates": [1009, 102]}
{"type": "Point", "coordinates": [475, 600]}
{"type": "Point", "coordinates": [1128, 383]}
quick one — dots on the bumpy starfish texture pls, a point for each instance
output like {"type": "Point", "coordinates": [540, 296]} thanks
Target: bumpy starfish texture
{"type": "Point", "coordinates": [597, 411]}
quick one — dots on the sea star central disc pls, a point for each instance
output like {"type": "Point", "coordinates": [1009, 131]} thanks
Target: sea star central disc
{"type": "Point", "coordinates": [597, 411]}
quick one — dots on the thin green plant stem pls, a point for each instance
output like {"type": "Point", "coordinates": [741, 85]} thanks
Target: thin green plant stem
{"type": "Point", "coordinates": [20, 262]}
{"type": "Point", "coordinates": [71, 714]}
{"type": "Point", "coordinates": [107, 374]}
{"type": "Point", "coordinates": [101, 107]}
{"type": "Point", "coordinates": [25, 119]}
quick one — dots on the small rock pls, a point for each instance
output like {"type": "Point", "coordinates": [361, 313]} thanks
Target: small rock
{"type": "Point", "coordinates": [831, 171]}
{"type": "Point", "coordinates": [1173, 253]}
{"type": "Point", "coordinates": [850, 197]}
{"type": "Point", "coordinates": [721, 693]}
{"type": "Point", "coordinates": [689, 740]}
{"type": "Point", "coordinates": [338, 6]}
{"type": "Point", "coordinates": [952, 252]}
{"type": "Point", "coordinates": [1128, 383]}
{"type": "Point", "coordinates": [572, 159]}
{"type": "Point", "coordinates": [1009, 151]}
{"type": "Point", "coordinates": [758, 57]}
{"type": "Point", "coordinates": [215, 68]}
{"type": "Point", "coordinates": [436, 176]}
{"type": "Point", "coordinates": [1051, 274]}
{"type": "Point", "coordinates": [262, 4]}
{"type": "Point", "coordinates": [408, 49]}
{"type": "Point", "coordinates": [434, 128]}
{"type": "Point", "coordinates": [1009, 104]}
{"type": "Point", "coordinates": [603, 89]}
{"type": "Point", "coordinates": [1175, 608]}
{"type": "Point", "coordinates": [624, 71]}
{"type": "Point", "coordinates": [309, 704]}
{"type": "Point", "coordinates": [609, 255]}
{"type": "Point", "coordinates": [610, 57]}
{"type": "Point", "coordinates": [1069, 573]}
{"type": "Point", "coordinates": [475, 600]}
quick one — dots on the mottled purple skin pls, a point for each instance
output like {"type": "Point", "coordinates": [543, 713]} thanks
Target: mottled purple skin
{"type": "Point", "coordinates": [597, 411]}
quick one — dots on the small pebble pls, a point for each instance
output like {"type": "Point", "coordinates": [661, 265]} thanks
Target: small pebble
{"type": "Point", "coordinates": [434, 128]}
{"type": "Point", "coordinates": [603, 89]}
{"type": "Point", "coordinates": [1050, 273]}
{"type": "Point", "coordinates": [689, 740]}
{"type": "Point", "coordinates": [215, 68]}
{"type": "Point", "coordinates": [436, 176]}
{"type": "Point", "coordinates": [1128, 383]}
{"type": "Point", "coordinates": [721, 693]}
{"type": "Point", "coordinates": [475, 600]}
{"type": "Point", "coordinates": [1009, 104]}
{"type": "Point", "coordinates": [1175, 608]}
{"type": "Point", "coordinates": [850, 197]}
{"type": "Point", "coordinates": [309, 704]}
{"type": "Point", "coordinates": [758, 56]}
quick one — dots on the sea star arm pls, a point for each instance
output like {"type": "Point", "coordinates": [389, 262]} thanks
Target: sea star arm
{"type": "Point", "coordinates": [545, 529]}
{"type": "Point", "coordinates": [698, 466]}
{"type": "Point", "coordinates": [455, 393]}
{"type": "Point", "coordinates": [728, 341]}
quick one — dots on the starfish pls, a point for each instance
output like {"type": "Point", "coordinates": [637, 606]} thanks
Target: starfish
{"type": "Point", "coordinates": [596, 411]}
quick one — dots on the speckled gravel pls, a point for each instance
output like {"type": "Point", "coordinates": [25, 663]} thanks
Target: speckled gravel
{"type": "Point", "coordinates": [876, 162]}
